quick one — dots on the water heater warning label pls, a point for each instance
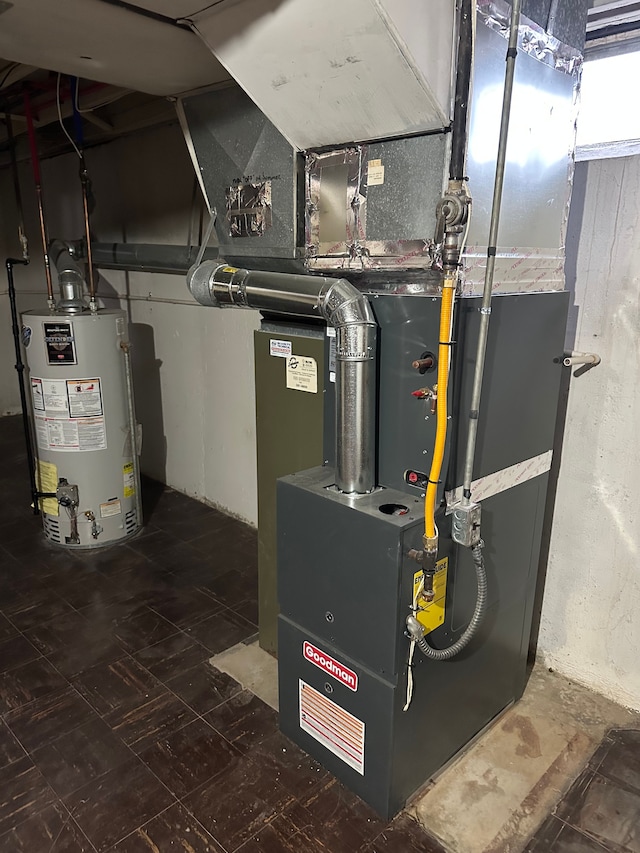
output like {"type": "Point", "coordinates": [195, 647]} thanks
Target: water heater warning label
{"type": "Point", "coordinates": [85, 397]}
{"type": "Point", "coordinates": [336, 729]}
{"type": "Point", "coordinates": [70, 435]}
{"type": "Point", "coordinates": [129, 480]}
{"type": "Point", "coordinates": [68, 414]}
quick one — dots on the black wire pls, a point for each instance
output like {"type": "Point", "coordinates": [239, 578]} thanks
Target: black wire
{"type": "Point", "coordinates": [9, 73]}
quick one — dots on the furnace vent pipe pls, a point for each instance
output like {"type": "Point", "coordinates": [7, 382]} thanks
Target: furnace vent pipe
{"type": "Point", "coordinates": [141, 257]}
{"type": "Point", "coordinates": [341, 305]}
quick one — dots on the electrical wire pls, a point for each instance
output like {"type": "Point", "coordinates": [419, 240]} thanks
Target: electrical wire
{"type": "Point", "coordinates": [412, 647]}
{"type": "Point", "coordinates": [9, 72]}
{"type": "Point", "coordinates": [114, 97]}
{"type": "Point", "coordinates": [64, 129]}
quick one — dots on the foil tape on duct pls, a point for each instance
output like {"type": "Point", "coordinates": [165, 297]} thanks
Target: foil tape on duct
{"type": "Point", "coordinates": [532, 38]}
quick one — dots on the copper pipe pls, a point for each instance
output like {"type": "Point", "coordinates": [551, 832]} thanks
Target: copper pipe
{"type": "Point", "coordinates": [35, 165]}
{"type": "Point", "coordinates": [422, 364]}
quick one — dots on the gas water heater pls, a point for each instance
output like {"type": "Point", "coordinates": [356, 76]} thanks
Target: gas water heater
{"type": "Point", "coordinates": [83, 416]}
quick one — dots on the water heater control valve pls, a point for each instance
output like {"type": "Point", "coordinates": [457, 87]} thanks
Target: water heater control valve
{"type": "Point", "coordinates": [465, 528]}
{"type": "Point", "coordinates": [67, 493]}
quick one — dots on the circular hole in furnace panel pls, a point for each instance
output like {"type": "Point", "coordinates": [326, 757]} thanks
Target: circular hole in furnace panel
{"type": "Point", "coordinates": [328, 687]}
{"type": "Point", "coordinates": [394, 509]}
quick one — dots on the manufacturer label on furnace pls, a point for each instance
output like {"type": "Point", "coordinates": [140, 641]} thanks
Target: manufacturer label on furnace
{"type": "Point", "coordinates": [330, 665]}
{"type": "Point", "coordinates": [302, 373]}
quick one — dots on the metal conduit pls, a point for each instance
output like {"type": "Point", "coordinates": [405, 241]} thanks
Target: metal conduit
{"type": "Point", "coordinates": [342, 306]}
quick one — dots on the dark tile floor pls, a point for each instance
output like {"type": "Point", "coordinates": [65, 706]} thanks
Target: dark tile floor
{"type": "Point", "coordinates": [115, 732]}
{"type": "Point", "coordinates": [601, 811]}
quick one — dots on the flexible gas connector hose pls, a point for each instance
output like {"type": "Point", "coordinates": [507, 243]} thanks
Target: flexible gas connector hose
{"type": "Point", "coordinates": [444, 357]}
{"type": "Point", "coordinates": [416, 629]}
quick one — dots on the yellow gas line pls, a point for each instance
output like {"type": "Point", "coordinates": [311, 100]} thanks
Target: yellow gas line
{"type": "Point", "coordinates": [444, 360]}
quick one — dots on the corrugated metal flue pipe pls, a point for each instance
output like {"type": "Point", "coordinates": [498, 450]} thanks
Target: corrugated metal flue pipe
{"type": "Point", "coordinates": [342, 306]}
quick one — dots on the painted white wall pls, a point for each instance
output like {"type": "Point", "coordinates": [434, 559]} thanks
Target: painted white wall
{"type": "Point", "coordinates": [193, 366]}
{"type": "Point", "coordinates": [590, 628]}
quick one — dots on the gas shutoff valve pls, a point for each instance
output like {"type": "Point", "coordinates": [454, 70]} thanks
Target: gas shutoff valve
{"type": "Point", "coordinates": [465, 527]}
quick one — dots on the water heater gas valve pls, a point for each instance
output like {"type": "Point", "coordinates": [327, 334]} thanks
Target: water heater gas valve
{"type": "Point", "coordinates": [67, 493]}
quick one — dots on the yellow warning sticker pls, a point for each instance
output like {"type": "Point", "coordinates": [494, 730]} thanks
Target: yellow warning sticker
{"type": "Point", "coordinates": [230, 269]}
{"type": "Point", "coordinates": [47, 481]}
{"type": "Point", "coordinates": [431, 613]}
{"type": "Point", "coordinates": [129, 480]}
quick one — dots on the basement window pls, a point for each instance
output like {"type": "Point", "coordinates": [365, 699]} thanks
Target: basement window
{"type": "Point", "coordinates": [608, 120]}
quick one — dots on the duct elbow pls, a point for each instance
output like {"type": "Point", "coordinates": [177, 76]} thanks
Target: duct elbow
{"type": "Point", "coordinates": [200, 280]}
{"type": "Point", "coordinates": [349, 312]}
{"type": "Point", "coordinates": [344, 305]}
{"type": "Point", "coordinates": [64, 262]}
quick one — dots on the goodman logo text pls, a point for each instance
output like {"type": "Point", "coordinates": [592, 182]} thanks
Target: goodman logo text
{"type": "Point", "coordinates": [328, 664]}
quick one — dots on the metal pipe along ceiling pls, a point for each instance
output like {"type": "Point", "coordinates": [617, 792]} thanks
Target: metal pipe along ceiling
{"type": "Point", "coordinates": [342, 306]}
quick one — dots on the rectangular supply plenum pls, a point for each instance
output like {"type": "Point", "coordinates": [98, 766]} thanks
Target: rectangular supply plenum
{"type": "Point", "coordinates": [539, 162]}
{"type": "Point", "coordinates": [372, 206]}
{"type": "Point", "coordinates": [248, 173]}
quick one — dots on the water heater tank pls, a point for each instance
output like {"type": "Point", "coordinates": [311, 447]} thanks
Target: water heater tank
{"type": "Point", "coordinates": [84, 425]}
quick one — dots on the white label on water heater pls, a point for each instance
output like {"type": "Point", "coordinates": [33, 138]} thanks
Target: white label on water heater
{"type": "Point", "coordinates": [109, 508]}
{"type": "Point", "coordinates": [85, 397]}
{"type": "Point", "coordinates": [302, 373]}
{"type": "Point", "coordinates": [70, 435]}
{"type": "Point", "coordinates": [50, 396]}
{"type": "Point", "coordinates": [37, 394]}
{"type": "Point", "coordinates": [336, 729]}
{"type": "Point", "coordinates": [68, 414]}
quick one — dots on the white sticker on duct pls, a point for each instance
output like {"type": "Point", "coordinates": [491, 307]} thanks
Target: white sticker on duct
{"type": "Point", "coordinates": [375, 173]}
{"type": "Point", "coordinates": [279, 348]}
{"type": "Point", "coordinates": [302, 373]}
{"type": "Point", "coordinates": [336, 729]}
